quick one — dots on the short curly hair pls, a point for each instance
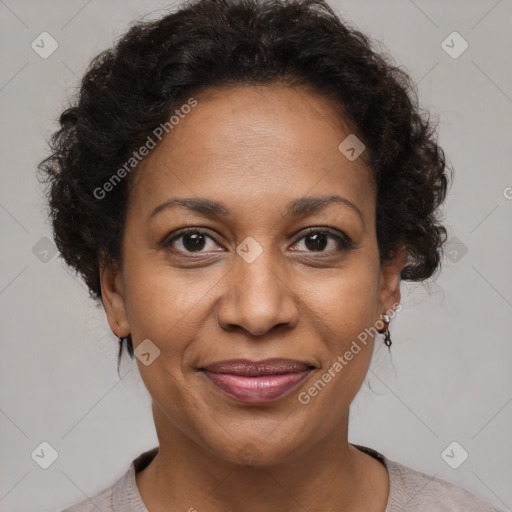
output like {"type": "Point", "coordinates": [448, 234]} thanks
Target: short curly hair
{"type": "Point", "coordinates": [133, 87]}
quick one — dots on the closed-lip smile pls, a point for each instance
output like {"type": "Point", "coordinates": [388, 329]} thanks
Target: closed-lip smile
{"type": "Point", "coordinates": [257, 381]}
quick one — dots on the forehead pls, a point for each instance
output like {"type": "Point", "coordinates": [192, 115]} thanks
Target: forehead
{"type": "Point", "coordinates": [253, 146]}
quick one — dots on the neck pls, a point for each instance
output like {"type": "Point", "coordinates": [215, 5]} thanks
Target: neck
{"type": "Point", "coordinates": [330, 475]}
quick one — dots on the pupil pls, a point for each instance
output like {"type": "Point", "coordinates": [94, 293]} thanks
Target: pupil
{"type": "Point", "coordinates": [193, 242]}
{"type": "Point", "coordinates": [317, 243]}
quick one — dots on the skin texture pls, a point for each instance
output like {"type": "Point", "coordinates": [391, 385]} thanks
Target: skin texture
{"type": "Point", "coordinates": [254, 149]}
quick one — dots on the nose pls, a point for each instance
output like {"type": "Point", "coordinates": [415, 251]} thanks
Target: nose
{"type": "Point", "coordinates": [258, 296]}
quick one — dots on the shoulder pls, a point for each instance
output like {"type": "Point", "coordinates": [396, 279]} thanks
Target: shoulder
{"type": "Point", "coordinates": [417, 491]}
{"type": "Point", "coordinates": [122, 496]}
{"type": "Point", "coordinates": [102, 501]}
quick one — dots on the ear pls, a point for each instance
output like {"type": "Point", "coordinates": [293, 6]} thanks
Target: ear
{"type": "Point", "coordinates": [112, 293]}
{"type": "Point", "coordinates": [389, 289]}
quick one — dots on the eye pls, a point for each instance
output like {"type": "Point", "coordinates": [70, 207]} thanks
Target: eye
{"type": "Point", "coordinates": [190, 240]}
{"type": "Point", "coordinates": [316, 239]}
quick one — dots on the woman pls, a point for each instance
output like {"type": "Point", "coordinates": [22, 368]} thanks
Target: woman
{"type": "Point", "coordinates": [243, 185]}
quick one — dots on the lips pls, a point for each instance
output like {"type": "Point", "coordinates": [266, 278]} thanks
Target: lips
{"type": "Point", "coordinates": [248, 368]}
{"type": "Point", "coordinates": [257, 381]}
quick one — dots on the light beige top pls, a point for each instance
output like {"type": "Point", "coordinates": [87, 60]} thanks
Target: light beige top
{"type": "Point", "coordinates": [410, 491]}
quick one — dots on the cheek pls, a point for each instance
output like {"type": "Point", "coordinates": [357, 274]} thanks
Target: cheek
{"type": "Point", "coordinates": [162, 303]}
{"type": "Point", "coordinates": [346, 301]}
{"type": "Point", "coordinates": [164, 307]}
{"type": "Point", "coordinates": [347, 350]}
{"type": "Point", "coordinates": [345, 310]}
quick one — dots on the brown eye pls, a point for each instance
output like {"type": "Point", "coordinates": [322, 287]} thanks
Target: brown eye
{"type": "Point", "coordinates": [190, 240]}
{"type": "Point", "coordinates": [193, 241]}
{"type": "Point", "coordinates": [316, 240]}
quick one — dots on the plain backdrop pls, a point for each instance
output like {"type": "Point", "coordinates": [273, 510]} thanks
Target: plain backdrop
{"type": "Point", "coordinates": [448, 376]}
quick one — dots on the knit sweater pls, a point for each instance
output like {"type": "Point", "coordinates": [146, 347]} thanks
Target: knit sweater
{"type": "Point", "coordinates": [409, 491]}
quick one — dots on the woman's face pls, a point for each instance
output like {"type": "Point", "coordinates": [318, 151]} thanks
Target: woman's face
{"type": "Point", "coordinates": [256, 285]}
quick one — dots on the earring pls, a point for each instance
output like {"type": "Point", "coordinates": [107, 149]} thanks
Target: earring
{"type": "Point", "coordinates": [116, 332]}
{"type": "Point", "coordinates": [385, 331]}
{"type": "Point", "coordinates": [120, 341]}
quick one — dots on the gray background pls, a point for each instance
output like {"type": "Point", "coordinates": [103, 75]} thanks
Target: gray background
{"type": "Point", "coordinates": [448, 377]}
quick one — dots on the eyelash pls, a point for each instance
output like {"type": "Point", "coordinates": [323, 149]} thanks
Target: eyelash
{"type": "Point", "coordinates": [344, 241]}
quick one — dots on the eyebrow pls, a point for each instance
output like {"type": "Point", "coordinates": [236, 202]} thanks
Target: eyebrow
{"type": "Point", "coordinates": [297, 207]}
